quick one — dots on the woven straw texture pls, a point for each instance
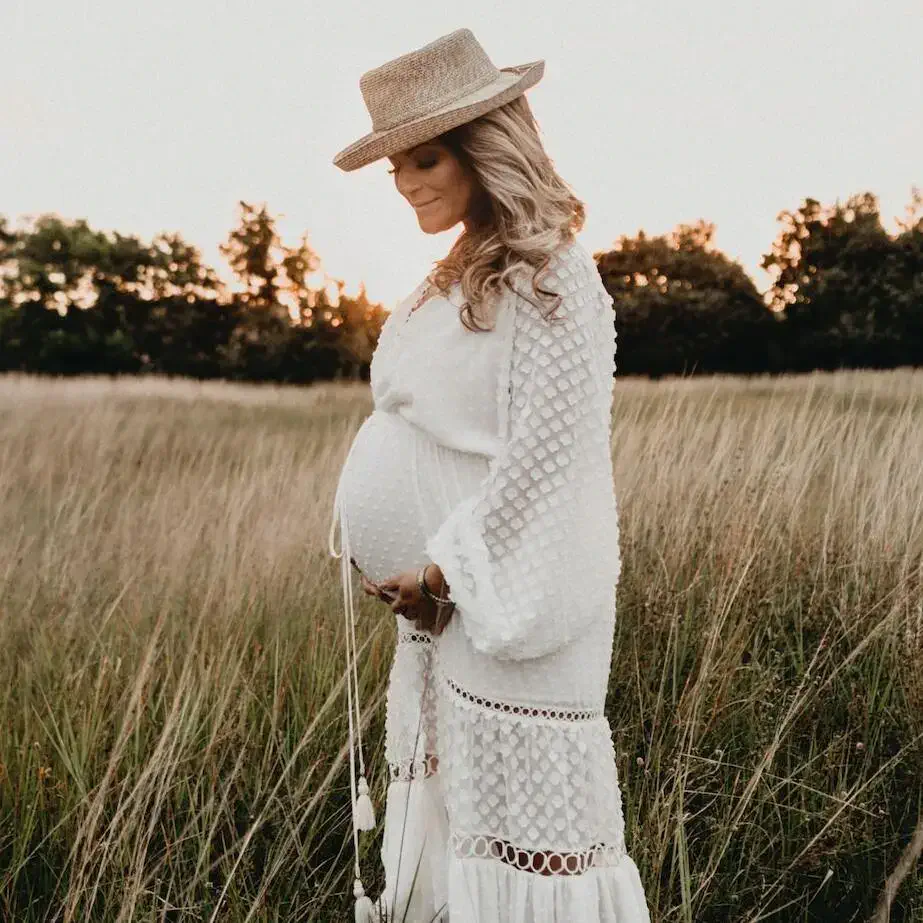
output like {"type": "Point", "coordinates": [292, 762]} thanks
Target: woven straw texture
{"type": "Point", "coordinates": [417, 96]}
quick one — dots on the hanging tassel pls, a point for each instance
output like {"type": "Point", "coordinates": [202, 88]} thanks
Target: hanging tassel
{"type": "Point", "coordinates": [365, 813]}
{"type": "Point", "coordinates": [365, 909]}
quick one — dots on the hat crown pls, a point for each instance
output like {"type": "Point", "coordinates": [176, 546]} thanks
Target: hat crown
{"type": "Point", "coordinates": [426, 79]}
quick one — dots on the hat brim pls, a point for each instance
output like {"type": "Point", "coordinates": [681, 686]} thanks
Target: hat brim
{"type": "Point", "coordinates": [512, 82]}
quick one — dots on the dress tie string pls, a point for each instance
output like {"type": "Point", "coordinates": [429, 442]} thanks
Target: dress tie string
{"type": "Point", "coordinates": [363, 813]}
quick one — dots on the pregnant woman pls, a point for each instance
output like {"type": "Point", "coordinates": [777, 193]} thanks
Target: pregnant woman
{"type": "Point", "coordinates": [477, 502]}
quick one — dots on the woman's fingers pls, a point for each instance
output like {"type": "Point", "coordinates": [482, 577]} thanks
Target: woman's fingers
{"type": "Point", "coordinates": [368, 586]}
{"type": "Point", "coordinates": [373, 589]}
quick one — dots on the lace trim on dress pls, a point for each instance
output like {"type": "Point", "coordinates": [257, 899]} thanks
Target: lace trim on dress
{"type": "Point", "coordinates": [545, 798]}
{"type": "Point", "coordinates": [544, 862]}
{"type": "Point", "coordinates": [410, 745]}
{"type": "Point", "coordinates": [414, 768]}
{"type": "Point", "coordinates": [408, 634]}
{"type": "Point", "coordinates": [526, 711]}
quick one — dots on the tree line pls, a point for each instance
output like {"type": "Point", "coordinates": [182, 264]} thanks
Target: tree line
{"type": "Point", "coordinates": [846, 293]}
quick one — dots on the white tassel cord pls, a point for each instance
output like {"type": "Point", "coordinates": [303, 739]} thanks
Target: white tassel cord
{"type": "Point", "coordinates": [365, 910]}
{"type": "Point", "coordinates": [362, 804]}
{"type": "Point", "coordinates": [363, 813]}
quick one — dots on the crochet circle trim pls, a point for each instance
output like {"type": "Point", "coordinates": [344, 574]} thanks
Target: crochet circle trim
{"type": "Point", "coordinates": [414, 768]}
{"type": "Point", "coordinates": [479, 846]}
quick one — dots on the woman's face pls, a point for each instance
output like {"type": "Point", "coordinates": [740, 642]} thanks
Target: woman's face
{"type": "Point", "coordinates": [435, 183]}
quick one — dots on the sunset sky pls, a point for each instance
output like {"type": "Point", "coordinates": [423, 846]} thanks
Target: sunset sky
{"type": "Point", "coordinates": [156, 117]}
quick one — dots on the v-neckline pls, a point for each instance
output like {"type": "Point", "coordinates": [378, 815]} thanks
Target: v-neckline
{"type": "Point", "coordinates": [436, 293]}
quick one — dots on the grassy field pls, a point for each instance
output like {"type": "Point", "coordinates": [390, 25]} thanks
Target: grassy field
{"type": "Point", "coordinates": [172, 717]}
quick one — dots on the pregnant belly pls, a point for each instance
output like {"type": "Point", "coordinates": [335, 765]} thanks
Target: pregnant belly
{"type": "Point", "coordinates": [388, 524]}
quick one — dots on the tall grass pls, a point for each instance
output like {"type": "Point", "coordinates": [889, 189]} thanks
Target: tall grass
{"type": "Point", "coordinates": [172, 693]}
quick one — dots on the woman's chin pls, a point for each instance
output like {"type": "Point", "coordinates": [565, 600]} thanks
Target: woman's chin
{"type": "Point", "coordinates": [428, 226]}
{"type": "Point", "coordinates": [434, 224]}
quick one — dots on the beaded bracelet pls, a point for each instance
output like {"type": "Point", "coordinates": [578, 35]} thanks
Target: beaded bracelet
{"type": "Point", "coordinates": [421, 583]}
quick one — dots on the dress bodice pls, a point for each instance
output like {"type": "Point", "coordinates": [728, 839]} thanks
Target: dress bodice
{"type": "Point", "coordinates": [439, 375]}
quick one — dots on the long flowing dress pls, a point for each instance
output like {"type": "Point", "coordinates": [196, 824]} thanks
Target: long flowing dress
{"type": "Point", "coordinates": [490, 454]}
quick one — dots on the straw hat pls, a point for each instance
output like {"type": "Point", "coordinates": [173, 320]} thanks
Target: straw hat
{"type": "Point", "coordinates": [419, 95]}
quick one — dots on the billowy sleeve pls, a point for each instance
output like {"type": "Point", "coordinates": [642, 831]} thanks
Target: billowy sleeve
{"type": "Point", "coordinates": [532, 557]}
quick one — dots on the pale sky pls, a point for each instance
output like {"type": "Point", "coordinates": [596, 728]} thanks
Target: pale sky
{"type": "Point", "coordinates": [149, 117]}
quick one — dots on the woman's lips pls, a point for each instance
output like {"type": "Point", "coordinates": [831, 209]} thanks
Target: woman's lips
{"type": "Point", "coordinates": [427, 203]}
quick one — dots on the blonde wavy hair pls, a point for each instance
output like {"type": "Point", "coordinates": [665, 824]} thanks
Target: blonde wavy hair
{"type": "Point", "coordinates": [522, 211]}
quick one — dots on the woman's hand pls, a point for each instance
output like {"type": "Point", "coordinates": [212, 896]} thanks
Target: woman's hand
{"type": "Point", "coordinates": [412, 604]}
{"type": "Point", "coordinates": [371, 588]}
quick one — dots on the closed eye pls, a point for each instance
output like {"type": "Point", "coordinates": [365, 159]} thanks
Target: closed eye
{"type": "Point", "coordinates": [422, 166]}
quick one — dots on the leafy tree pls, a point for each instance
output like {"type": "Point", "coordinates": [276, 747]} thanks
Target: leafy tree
{"type": "Point", "coordinates": [683, 306]}
{"type": "Point", "coordinates": [77, 300]}
{"type": "Point", "coordinates": [850, 292]}
{"type": "Point", "coordinates": [323, 340]}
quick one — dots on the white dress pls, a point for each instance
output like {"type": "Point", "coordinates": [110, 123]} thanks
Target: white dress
{"type": "Point", "coordinates": [490, 454]}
